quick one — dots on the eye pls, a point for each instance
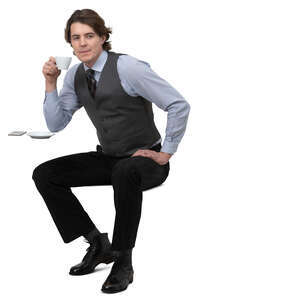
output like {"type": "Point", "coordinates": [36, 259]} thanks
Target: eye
{"type": "Point", "coordinates": [90, 35]}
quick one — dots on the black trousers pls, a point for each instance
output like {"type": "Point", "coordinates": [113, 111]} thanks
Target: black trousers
{"type": "Point", "coordinates": [129, 177]}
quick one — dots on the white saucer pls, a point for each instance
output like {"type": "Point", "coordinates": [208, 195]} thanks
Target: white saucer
{"type": "Point", "coordinates": [40, 134]}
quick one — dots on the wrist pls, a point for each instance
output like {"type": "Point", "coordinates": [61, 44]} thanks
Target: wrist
{"type": "Point", "coordinates": [50, 86]}
{"type": "Point", "coordinates": [168, 155]}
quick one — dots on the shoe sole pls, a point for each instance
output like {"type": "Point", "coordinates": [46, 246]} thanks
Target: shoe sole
{"type": "Point", "coordinates": [116, 291]}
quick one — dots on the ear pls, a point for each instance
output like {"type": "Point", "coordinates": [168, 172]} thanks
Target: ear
{"type": "Point", "coordinates": [103, 39]}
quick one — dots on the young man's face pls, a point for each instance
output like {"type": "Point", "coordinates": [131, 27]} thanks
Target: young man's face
{"type": "Point", "coordinates": [86, 43]}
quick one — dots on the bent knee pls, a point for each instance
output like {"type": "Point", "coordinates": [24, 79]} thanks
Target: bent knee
{"type": "Point", "coordinates": [41, 172]}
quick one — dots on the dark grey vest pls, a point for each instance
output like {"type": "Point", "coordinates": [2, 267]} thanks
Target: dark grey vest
{"type": "Point", "coordinates": [124, 123]}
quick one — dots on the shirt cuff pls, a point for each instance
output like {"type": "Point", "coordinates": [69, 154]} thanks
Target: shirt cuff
{"type": "Point", "coordinates": [169, 147]}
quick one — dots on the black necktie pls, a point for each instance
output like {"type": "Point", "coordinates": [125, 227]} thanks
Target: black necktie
{"type": "Point", "coordinates": [92, 83]}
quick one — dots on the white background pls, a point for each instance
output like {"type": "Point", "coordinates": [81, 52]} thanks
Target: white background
{"type": "Point", "coordinates": [225, 224]}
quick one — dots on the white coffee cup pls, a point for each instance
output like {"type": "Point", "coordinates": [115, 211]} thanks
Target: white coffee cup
{"type": "Point", "coordinates": [63, 62]}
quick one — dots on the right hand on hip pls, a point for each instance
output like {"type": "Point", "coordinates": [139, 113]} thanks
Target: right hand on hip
{"type": "Point", "coordinates": [51, 71]}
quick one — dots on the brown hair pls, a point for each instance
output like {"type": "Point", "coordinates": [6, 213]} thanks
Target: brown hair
{"type": "Point", "coordinates": [91, 18]}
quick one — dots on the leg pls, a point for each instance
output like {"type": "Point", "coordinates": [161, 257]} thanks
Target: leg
{"type": "Point", "coordinates": [130, 177]}
{"type": "Point", "coordinates": [54, 180]}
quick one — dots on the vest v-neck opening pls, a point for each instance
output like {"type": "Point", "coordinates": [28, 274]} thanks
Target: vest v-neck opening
{"type": "Point", "coordinates": [99, 81]}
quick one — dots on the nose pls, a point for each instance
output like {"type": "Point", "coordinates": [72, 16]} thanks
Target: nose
{"type": "Point", "coordinates": [82, 41]}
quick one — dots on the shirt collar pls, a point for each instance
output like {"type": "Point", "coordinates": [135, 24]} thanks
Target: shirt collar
{"type": "Point", "coordinates": [99, 64]}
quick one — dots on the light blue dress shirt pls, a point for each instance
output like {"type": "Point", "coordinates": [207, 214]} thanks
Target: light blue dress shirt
{"type": "Point", "coordinates": [137, 79]}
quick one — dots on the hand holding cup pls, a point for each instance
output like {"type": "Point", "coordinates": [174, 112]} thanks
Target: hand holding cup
{"type": "Point", "coordinates": [50, 70]}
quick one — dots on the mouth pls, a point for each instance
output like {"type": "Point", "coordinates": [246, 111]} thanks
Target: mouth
{"type": "Point", "coordinates": [84, 52]}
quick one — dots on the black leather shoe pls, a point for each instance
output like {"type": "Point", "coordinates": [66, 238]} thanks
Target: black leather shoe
{"type": "Point", "coordinates": [98, 252]}
{"type": "Point", "coordinates": [120, 277]}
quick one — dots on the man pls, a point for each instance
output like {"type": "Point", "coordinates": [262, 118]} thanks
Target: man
{"type": "Point", "coordinates": [117, 92]}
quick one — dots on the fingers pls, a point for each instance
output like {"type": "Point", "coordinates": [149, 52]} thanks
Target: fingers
{"type": "Point", "coordinates": [142, 151]}
{"type": "Point", "coordinates": [52, 59]}
{"type": "Point", "coordinates": [138, 152]}
{"type": "Point", "coordinates": [150, 154]}
{"type": "Point", "coordinates": [51, 63]}
{"type": "Point", "coordinates": [50, 67]}
{"type": "Point", "coordinates": [145, 152]}
{"type": "Point", "coordinates": [50, 70]}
